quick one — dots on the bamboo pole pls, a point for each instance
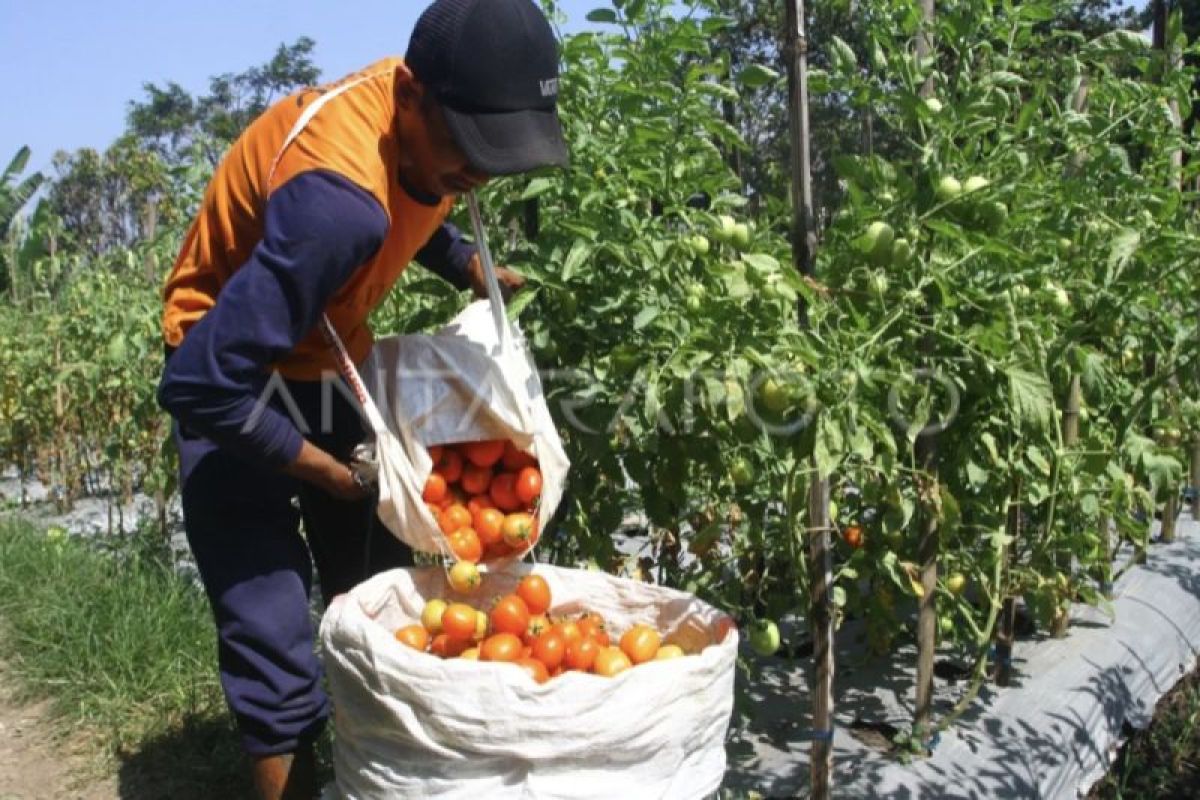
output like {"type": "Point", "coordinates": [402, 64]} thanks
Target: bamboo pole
{"type": "Point", "coordinates": [1195, 477]}
{"type": "Point", "coordinates": [1062, 559]}
{"type": "Point", "coordinates": [1006, 636]}
{"type": "Point", "coordinates": [804, 246]}
{"type": "Point", "coordinates": [929, 496]}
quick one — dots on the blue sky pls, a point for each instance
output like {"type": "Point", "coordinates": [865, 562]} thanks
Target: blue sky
{"type": "Point", "coordinates": [70, 68]}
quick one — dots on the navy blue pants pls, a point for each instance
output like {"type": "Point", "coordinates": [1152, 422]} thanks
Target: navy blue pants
{"type": "Point", "coordinates": [244, 528]}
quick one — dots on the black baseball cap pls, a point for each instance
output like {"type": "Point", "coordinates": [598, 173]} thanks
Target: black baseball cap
{"type": "Point", "coordinates": [493, 66]}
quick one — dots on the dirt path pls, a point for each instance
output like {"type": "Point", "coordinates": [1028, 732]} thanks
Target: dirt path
{"type": "Point", "coordinates": [36, 763]}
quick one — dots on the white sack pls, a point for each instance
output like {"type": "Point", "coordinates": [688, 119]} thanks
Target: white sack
{"type": "Point", "coordinates": [412, 725]}
{"type": "Point", "coordinates": [456, 385]}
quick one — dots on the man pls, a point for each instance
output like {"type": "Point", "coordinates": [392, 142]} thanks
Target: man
{"type": "Point", "coordinates": [317, 209]}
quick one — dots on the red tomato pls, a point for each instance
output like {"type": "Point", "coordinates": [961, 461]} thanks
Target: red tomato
{"type": "Point", "coordinates": [484, 454]}
{"type": "Point", "coordinates": [500, 647]}
{"type": "Point", "coordinates": [451, 466]}
{"type": "Point", "coordinates": [534, 590]}
{"type": "Point", "coordinates": [496, 550]}
{"type": "Point", "coordinates": [570, 631]}
{"type": "Point", "coordinates": [538, 624]}
{"type": "Point", "coordinates": [476, 480]}
{"type": "Point", "coordinates": [529, 485]}
{"type": "Point", "coordinates": [510, 615]}
{"type": "Point", "coordinates": [435, 453]}
{"type": "Point", "coordinates": [478, 503]}
{"type": "Point", "coordinates": [514, 460]}
{"type": "Point", "coordinates": [445, 646]}
{"type": "Point", "coordinates": [503, 492]}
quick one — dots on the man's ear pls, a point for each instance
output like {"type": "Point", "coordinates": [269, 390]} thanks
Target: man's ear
{"type": "Point", "coordinates": [409, 91]}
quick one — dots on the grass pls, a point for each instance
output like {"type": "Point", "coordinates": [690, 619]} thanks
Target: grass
{"type": "Point", "coordinates": [125, 648]}
{"type": "Point", "coordinates": [1162, 761]}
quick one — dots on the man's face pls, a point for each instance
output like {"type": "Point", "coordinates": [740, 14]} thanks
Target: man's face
{"type": "Point", "coordinates": [440, 166]}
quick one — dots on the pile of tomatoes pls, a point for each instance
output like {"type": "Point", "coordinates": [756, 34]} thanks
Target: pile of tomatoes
{"type": "Point", "coordinates": [484, 496]}
{"type": "Point", "coordinates": [519, 629]}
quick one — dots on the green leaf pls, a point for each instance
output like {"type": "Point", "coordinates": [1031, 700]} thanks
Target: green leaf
{"type": "Point", "coordinates": [602, 15]}
{"type": "Point", "coordinates": [842, 55]}
{"type": "Point", "coordinates": [537, 186]}
{"type": "Point", "coordinates": [580, 251]}
{"type": "Point", "coordinates": [645, 317]}
{"type": "Point", "coordinates": [757, 75]}
{"type": "Point", "coordinates": [1030, 397]}
{"type": "Point", "coordinates": [1124, 245]}
{"type": "Point", "coordinates": [520, 301]}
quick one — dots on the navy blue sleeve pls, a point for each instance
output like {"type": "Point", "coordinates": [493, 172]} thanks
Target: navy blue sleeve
{"type": "Point", "coordinates": [447, 254]}
{"type": "Point", "coordinates": [319, 229]}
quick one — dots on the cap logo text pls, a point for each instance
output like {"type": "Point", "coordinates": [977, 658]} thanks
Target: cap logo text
{"type": "Point", "coordinates": [549, 87]}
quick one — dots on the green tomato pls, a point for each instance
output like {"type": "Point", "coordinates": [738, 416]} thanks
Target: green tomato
{"type": "Point", "coordinates": [887, 198]}
{"type": "Point", "coordinates": [1065, 246]}
{"type": "Point", "coordinates": [568, 302]}
{"type": "Point", "coordinates": [902, 252]}
{"type": "Point", "coordinates": [1020, 291]}
{"type": "Point", "coordinates": [724, 230]}
{"type": "Point", "coordinates": [742, 473]}
{"type": "Point", "coordinates": [947, 189]}
{"type": "Point", "coordinates": [693, 303]}
{"type": "Point", "coordinates": [975, 183]}
{"type": "Point", "coordinates": [625, 359]}
{"type": "Point", "coordinates": [877, 242]}
{"type": "Point", "coordinates": [956, 583]}
{"type": "Point", "coordinates": [741, 236]}
{"type": "Point", "coordinates": [700, 245]}
{"type": "Point", "coordinates": [945, 626]}
{"type": "Point", "coordinates": [933, 104]}
{"type": "Point", "coordinates": [1058, 296]}
{"type": "Point", "coordinates": [773, 395]}
{"type": "Point", "coordinates": [764, 637]}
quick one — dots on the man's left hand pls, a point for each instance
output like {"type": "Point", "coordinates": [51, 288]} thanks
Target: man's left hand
{"type": "Point", "coordinates": [510, 282]}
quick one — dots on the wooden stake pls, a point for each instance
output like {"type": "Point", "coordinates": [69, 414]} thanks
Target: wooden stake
{"type": "Point", "coordinates": [1062, 559]}
{"type": "Point", "coordinates": [1006, 637]}
{"type": "Point", "coordinates": [804, 247]}
{"type": "Point", "coordinates": [1195, 475]}
{"type": "Point", "coordinates": [821, 624]}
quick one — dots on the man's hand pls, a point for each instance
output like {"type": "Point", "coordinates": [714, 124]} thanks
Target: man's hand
{"type": "Point", "coordinates": [510, 282]}
{"type": "Point", "coordinates": [313, 465]}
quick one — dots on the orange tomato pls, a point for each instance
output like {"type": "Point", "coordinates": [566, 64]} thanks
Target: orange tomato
{"type": "Point", "coordinates": [853, 536]}
{"type": "Point", "coordinates": [534, 590]}
{"type": "Point", "coordinates": [529, 485]}
{"type": "Point", "coordinates": [591, 626]}
{"type": "Point", "coordinates": [415, 636]}
{"type": "Point", "coordinates": [458, 621]}
{"type": "Point", "coordinates": [610, 661]}
{"type": "Point", "coordinates": [465, 544]}
{"type": "Point", "coordinates": [515, 460]}
{"type": "Point", "coordinates": [570, 631]}
{"type": "Point", "coordinates": [485, 453]}
{"type": "Point", "coordinates": [435, 488]}
{"type": "Point", "coordinates": [581, 654]}
{"type": "Point", "coordinates": [538, 624]}
{"type": "Point", "coordinates": [517, 530]}
{"type": "Point", "coordinates": [478, 503]}
{"type": "Point", "coordinates": [536, 669]}
{"type": "Point", "coordinates": [481, 626]}
{"type": "Point", "coordinates": [550, 648]}
{"type": "Point", "coordinates": [471, 654]}
{"type": "Point", "coordinates": [455, 516]}
{"type": "Point", "coordinates": [500, 647]}
{"type": "Point", "coordinates": [475, 480]}
{"type": "Point", "coordinates": [640, 643]}
{"type": "Point", "coordinates": [445, 646]}
{"type": "Point", "coordinates": [451, 466]}
{"type": "Point", "coordinates": [488, 524]}
{"type": "Point", "coordinates": [503, 492]}
{"type": "Point", "coordinates": [509, 615]}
